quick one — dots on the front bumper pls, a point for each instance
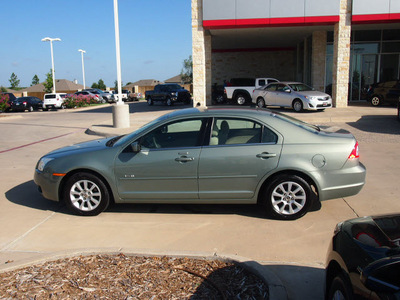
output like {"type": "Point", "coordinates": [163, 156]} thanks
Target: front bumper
{"type": "Point", "coordinates": [48, 185]}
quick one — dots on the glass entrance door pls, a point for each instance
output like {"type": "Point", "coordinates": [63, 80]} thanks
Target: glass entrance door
{"type": "Point", "coordinates": [364, 74]}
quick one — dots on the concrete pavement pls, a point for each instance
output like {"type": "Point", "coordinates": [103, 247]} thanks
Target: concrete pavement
{"type": "Point", "coordinates": [286, 274]}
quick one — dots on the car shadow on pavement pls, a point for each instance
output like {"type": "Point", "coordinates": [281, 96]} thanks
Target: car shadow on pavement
{"type": "Point", "coordinates": [386, 124]}
{"type": "Point", "coordinates": [26, 194]}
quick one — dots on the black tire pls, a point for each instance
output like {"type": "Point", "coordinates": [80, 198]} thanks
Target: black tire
{"type": "Point", "coordinates": [150, 101]}
{"type": "Point", "coordinates": [297, 105]}
{"type": "Point", "coordinates": [260, 103]}
{"type": "Point", "coordinates": [288, 197]}
{"type": "Point", "coordinates": [376, 100]}
{"type": "Point", "coordinates": [340, 289]}
{"type": "Point", "coordinates": [240, 99]}
{"type": "Point", "coordinates": [169, 102]}
{"type": "Point", "coordinates": [85, 194]}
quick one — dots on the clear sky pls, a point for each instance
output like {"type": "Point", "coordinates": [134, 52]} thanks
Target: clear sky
{"type": "Point", "coordinates": [155, 38]}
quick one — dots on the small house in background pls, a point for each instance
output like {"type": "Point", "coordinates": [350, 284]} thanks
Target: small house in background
{"type": "Point", "coordinates": [142, 86]}
{"type": "Point", "coordinates": [62, 86]}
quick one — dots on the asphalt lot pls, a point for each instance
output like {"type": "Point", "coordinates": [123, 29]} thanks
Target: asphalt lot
{"type": "Point", "coordinates": [34, 228]}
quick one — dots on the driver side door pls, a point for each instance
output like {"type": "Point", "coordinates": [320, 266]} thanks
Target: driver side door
{"type": "Point", "coordinates": [165, 169]}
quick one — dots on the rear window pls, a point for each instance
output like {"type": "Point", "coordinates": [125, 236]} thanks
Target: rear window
{"type": "Point", "coordinates": [50, 96]}
{"type": "Point", "coordinates": [63, 96]}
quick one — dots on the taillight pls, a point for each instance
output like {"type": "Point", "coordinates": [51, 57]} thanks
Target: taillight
{"type": "Point", "coordinates": [224, 91]}
{"type": "Point", "coordinates": [354, 153]}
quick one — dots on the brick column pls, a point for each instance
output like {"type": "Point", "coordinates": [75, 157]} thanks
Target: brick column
{"type": "Point", "coordinates": [318, 60]}
{"type": "Point", "coordinates": [201, 56]}
{"type": "Point", "coordinates": [341, 56]}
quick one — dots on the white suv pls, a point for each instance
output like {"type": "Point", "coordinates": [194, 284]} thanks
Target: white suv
{"type": "Point", "coordinates": [53, 100]}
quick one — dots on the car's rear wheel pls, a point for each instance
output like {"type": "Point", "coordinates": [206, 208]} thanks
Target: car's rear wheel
{"type": "Point", "coordinates": [260, 103]}
{"type": "Point", "coordinates": [30, 108]}
{"type": "Point", "coordinates": [340, 289]}
{"type": "Point", "coordinates": [169, 101]}
{"type": "Point", "coordinates": [240, 99]}
{"type": "Point", "coordinates": [297, 105]}
{"type": "Point", "coordinates": [85, 194]}
{"type": "Point", "coordinates": [376, 100]}
{"type": "Point", "coordinates": [150, 101]}
{"type": "Point", "coordinates": [288, 197]}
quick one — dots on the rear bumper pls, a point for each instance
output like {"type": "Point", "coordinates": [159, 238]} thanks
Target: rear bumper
{"type": "Point", "coordinates": [343, 183]}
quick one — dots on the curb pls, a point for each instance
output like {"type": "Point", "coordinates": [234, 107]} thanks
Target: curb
{"type": "Point", "coordinates": [276, 289]}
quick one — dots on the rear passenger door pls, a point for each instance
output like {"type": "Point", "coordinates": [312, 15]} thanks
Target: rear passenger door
{"type": "Point", "coordinates": [240, 153]}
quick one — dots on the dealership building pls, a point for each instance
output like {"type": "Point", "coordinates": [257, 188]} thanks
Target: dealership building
{"type": "Point", "coordinates": [337, 46]}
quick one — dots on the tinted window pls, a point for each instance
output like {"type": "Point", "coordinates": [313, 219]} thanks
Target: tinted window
{"type": "Point", "coordinates": [51, 96]}
{"type": "Point", "coordinates": [227, 131]}
{"type": "Point", "coordinates": [179, 134]}
{"type": "Point", "coordinates": [271, 87]}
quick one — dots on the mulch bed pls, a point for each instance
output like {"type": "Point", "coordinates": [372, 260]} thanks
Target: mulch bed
{"type": "Point", "coordinates": [121, 276]}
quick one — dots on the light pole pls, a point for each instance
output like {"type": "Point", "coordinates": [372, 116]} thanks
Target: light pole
{"type": "Point", "coordinates": [83, 68]}
{"type": "Point", "coordinates": [47, 39]}
{"type": "Point", "coordinates": [120, 110]}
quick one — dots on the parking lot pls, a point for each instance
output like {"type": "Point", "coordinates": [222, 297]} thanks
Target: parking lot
{"type": "Point", "coordinates": [33, 228]}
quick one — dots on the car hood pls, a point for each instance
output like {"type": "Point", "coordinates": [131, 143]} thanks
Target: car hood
{"type": "Point", "coordinates": [313, 93]}
{"type": "Point", "coordinates": [85, 146]}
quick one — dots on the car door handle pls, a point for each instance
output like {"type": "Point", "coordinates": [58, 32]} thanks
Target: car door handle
{"type": "Point", "coordinates": [184, 159]}
{"type": "Point", "coordinates": [266, 155]}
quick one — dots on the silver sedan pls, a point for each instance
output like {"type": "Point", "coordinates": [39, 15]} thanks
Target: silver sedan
{"type": "Point", "coordinates": [296, 95]}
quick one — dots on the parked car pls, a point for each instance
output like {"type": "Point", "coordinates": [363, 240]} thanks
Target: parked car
{"type": "Point", "coordinates": [26, 103]}
{"type": "Point", "coordinates": [384, 93]}
{"type": "Point", "coordinates": [240, 90]}
{"type": "Point", "coordinates": [54, 100]}
{"type": "Point", "coordinates": [225, 156]}
{"type": "Point", "coordinates": [98, 97]}
{"type": "Point", "coordinates": [296, 95]}
{"type": "Point", "coordinates": [110, 96]}
{"type": "Point", "coordinates": [169, 93]}
{"type": "Point", "coordinates": [363, 259]}
{"type": "Point", "coordinates": [102, 95]}
{"type": "Point", "coordinates": [124, 95]}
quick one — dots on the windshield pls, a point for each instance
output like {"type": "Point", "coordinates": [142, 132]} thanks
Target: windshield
{"type": "Point", "coordinates": [300, 87]}
{"type": "Point", "coordinates": [172, 87]}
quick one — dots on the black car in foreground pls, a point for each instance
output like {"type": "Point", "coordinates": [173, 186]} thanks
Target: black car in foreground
{"type": "Point", "coordinates": [26, 103]}
{"type": "Point", "coordinates": [363, 259]}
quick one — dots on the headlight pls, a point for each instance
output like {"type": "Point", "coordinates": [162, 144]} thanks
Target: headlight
{"type": "Point", "coordinates": [174, 94]}
{"type": "Point", "coordinates": [42, 163]}
{"type": "Point", "coordinates": [311, 98]}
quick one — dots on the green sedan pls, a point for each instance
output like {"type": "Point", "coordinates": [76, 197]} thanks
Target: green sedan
{"type": "Point", "coordinates": [214, 156]}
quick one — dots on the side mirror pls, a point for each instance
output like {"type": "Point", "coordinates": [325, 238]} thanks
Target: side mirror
{"type": "Point", "coordinates": [136, 148]}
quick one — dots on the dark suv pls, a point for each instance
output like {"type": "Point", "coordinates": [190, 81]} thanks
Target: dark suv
{"type": "Point", "coordinates": [384, 92]}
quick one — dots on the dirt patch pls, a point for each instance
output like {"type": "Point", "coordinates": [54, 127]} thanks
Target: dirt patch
{"type": "Point", "coordinates": [131, 277]}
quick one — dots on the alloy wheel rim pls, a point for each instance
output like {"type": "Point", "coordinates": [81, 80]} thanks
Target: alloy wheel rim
{"type": "Point", "coordinates": [260, 103]}
{"type": "Point", "coordinates": [338, 295]}
{"type": "Point", "coordinates": [241, 100]}
{"type": "Point", "coordinates": [288, 198]}
{"type": "Point", "coordinates": [297, 106]}
{"type": "Point", "coordinates": [375, 100]}
{"type": "Point", "coordinates": [85, 195]}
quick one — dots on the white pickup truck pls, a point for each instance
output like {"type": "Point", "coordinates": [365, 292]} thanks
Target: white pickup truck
{"type": "Point", "coordinates": [240, 90]}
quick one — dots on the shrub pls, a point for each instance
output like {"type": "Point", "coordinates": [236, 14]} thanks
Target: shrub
{"type": "Point", "coordinates": [73, 101]}
{"type": "Point", "coordinates": [4, 106]}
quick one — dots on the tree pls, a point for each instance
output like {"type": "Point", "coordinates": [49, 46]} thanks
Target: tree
{"type": "Point", "coordinates": [35, 80]}
{"type": "Point", "coordinates": [101, 85]}
{"type": "Point", "coordinates": [3, 89]}
{"type": "Point", "coordinates": [14, 81]}
{"type": "Point", "coordinates": [48, 84]}
{"type": "Point", "coordinates": [187, 70]}
{"type": "Point", "coordinates": [95, 85]}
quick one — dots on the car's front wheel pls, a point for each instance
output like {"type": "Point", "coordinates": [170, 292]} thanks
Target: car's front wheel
{"type": "Point", "coordinates": [297, 105]}
{"type": "Point", "coordinates": [85, 194]}
{"type": "Point", "coordinates": [169, 101]}
{"type": "Point", "coordinates": [288, 197]}
{"type": "Point", "coordinates": [150, 101]}
{"type": "Point", "coordinates": [340, 289]}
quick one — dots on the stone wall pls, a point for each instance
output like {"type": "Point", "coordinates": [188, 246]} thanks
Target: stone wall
{"type": "Point", "coordinates": [318, 60]}
{"type": "Point", "coordinates": [341, 56]}
{"type": "Point", "coordinates": [275, 64]}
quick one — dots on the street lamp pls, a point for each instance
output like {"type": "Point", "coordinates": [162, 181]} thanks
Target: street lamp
{"type": "Point", "coordinates": [83, 68]}
{"type": "Point", "coordinates": [47, 39]}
